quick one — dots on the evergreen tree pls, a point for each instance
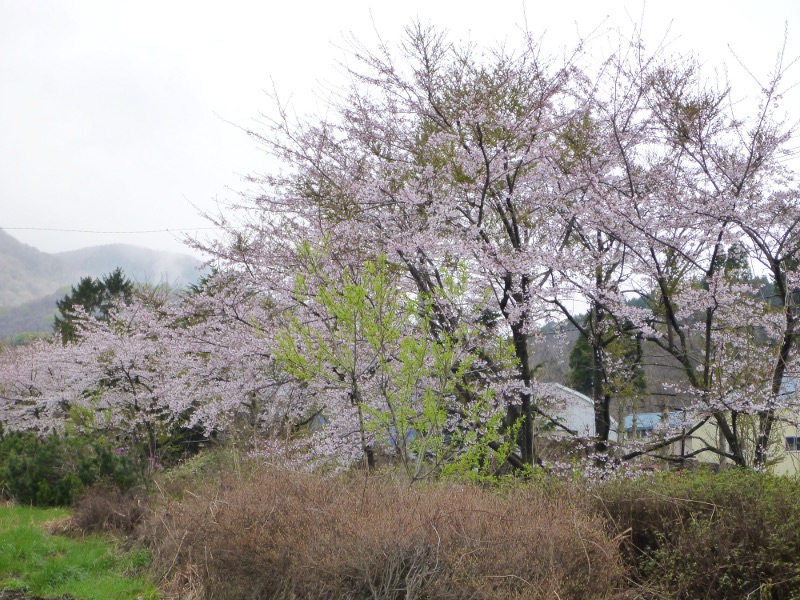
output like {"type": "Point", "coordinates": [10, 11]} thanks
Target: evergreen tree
{"type": "Point", "coordinates": [624, 352]}
{"type": "Point", "coordinates": [96, 297]}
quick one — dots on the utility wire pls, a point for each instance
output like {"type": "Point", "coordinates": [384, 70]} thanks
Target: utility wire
{"type": "Point", "coordinates": [114, 232]}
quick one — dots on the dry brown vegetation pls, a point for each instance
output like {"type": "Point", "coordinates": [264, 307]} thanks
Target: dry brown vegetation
{"type": "Point", "coordinates": [282, 534]}
{"type": "Point", "coordinates": [224, 528]}
{"type": "Point", "coordinates": [107, 508]}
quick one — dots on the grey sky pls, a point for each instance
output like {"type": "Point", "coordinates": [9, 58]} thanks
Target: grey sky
{"type": "Point", "coordinates": [108, 108]}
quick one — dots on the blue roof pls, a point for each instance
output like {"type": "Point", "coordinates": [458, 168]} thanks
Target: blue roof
{"type": "Point", "coordinates": [651, 420]}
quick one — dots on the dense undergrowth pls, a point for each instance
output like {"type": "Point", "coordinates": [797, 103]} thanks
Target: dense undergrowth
{"type": "Point", "coordinates": [735, 534]}
{"type": "Point", "coordinates": [685, 535]}
{"type": "Point", "coordinates": [221, 527]}
{"type": "Point", "coordinates": [54, 470]}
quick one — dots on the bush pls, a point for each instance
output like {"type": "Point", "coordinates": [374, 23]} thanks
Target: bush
{"type": "Point", "coordinates": [54, 470]}
{"type": "Point", "coordinates": [107, 508]}
{"type": "Point", "coordinates": [703, 535]}
{"type": "Point", "coordinates": [281, 534]}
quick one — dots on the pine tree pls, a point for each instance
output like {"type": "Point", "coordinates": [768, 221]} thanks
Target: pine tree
{"type": "Point", "coordinates": [96, 297]}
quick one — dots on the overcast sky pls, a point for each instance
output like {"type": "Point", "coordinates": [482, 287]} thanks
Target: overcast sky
{"type": "Point", "coordinates": [115, 115]}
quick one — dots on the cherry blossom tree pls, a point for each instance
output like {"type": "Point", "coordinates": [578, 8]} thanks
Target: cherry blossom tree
{"type": "Point", "coordinates": [727, 186]}
{"type": "Point", "coordinates": [554, 184]}
{"type": "Point", "coordinates": [452, 201]}
{"type": "Point", "coordinates": [442, 166]}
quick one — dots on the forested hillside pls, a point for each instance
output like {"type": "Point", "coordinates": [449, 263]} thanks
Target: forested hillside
{"type": "Point", "coordinates": [26, 273]}
{"type": "Point", "coordinates": [31, 281]}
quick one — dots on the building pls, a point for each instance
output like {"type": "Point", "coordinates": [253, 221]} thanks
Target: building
{"type": "Point", "coordinates": [573, 410]}
{"type": "Point", "coordinates": [784, 456]}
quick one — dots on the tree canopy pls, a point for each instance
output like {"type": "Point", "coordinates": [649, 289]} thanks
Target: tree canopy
{"type": "Point", "coordinates": [449, 203]}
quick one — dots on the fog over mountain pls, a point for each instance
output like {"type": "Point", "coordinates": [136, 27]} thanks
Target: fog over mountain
{"type": "Point", "coordinates": [26, 273]}
{"type": "Point", "coordinates": [31, 280]}
{"type": "Point", "coordinates": [142, 265]}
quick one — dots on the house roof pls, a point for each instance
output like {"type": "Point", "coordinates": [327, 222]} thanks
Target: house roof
{"type": "Point", "coordinates": [574, 409]}
{"type": "Point", "coordinates": [650, 420]}
{"type": "Point", "coordinates": [563, 392]}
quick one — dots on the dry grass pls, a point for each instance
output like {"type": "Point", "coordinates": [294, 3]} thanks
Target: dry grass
{"type": "Point", "coordinates": [281, 534]}
{"type": "Point", "coordinates": [107, 508]}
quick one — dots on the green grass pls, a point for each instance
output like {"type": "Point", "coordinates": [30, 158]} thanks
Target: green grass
{"type": "Point", "coordinates": [51, 565]}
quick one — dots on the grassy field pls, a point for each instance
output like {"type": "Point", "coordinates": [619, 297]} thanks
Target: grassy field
{"type": "Point", "coordinates": [52, 565]}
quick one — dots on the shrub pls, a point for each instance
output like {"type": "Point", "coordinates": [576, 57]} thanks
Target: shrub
{"type": "Point", "coordinates": [702, 535]}
{"type": "Point", "coordinates": [281, 534]}
{"type": "Point", "coordinates": [53, 470]}
{"type": "Point", "coordinates": [107, 508]}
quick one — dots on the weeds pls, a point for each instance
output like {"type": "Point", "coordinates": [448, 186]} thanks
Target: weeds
{"type": "Point", "coordinates": [262, 532]}
{"type": "Point", "coordinates": [108, 508]}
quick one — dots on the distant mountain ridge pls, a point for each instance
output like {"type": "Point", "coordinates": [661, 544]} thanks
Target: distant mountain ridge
{"type": "Point", "coordinates": [35, 316]}
{"type": "Point", "coordinates": [30, 278]}
{"type": "Point", "coordinates": [25, 272]}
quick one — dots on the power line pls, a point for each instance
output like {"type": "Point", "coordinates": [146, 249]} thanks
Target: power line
{"type": "Point", "coordinates": [111, 232]}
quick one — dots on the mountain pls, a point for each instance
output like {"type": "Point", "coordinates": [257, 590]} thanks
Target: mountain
{"type": "Point", "coordinates": [31, 281]}
{"type": "Point", "coordinates": [34, 316]}
{"type": "Point", "coordinates": [26, 273]}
